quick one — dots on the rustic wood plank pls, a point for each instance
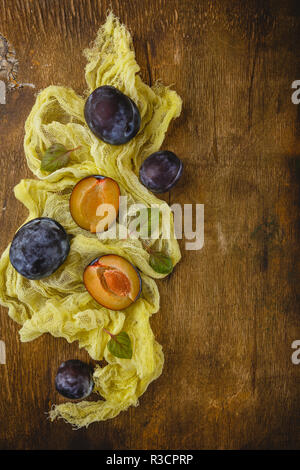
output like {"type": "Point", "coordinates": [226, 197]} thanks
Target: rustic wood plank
{"type": "Point", "coordinates": [230, 311]}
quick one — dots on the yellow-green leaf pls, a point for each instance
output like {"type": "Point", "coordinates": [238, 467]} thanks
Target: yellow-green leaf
{"type": "Point", "coordinates": [120, 345]}
{"type": "Point", "coordinates": [55, 157]}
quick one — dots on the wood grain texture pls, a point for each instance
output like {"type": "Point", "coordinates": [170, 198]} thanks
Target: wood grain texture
{"type": "Point", "coordinates": [230, 312]}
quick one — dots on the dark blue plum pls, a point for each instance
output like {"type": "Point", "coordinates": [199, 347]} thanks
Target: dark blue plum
{"type": "Point", "coordinates": [112, 116]}
{"type": "Point", "coordinates": [39, 248]}
{"type": "Point", "coordinates": [74, 379]}
{"type": "Point", "coordinates": [161, 171]}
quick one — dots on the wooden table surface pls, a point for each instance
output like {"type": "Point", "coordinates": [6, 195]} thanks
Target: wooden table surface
{"type": "Point", "coordinates": [230, 311]}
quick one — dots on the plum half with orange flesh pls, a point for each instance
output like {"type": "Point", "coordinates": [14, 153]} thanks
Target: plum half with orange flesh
{"type": "Point", "coordinates": [88, 195]}
{"type": "Point", "coordinates": [113, 282]}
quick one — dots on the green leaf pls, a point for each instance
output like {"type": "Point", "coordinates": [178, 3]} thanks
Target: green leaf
{"type": "Point", "coordinates": [120, 345]}
{"type": "Point", "coordinates": [55, 157]}
{"type": "Point", "coordinates": [161, 263]}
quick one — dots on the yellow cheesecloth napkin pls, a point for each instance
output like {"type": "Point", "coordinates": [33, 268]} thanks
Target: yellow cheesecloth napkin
{"type": "Point", "coordinates": [60, 304]}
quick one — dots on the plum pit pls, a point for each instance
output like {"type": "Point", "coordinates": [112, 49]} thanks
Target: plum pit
{"type": "Point", "coordinates": [117, 282]}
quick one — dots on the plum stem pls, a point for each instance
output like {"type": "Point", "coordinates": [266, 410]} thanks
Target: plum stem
{"type": "Point", "coordinates": [108, 332]}
{"type": "Point", "coordinates": [114, 337]}
{"type": "Point", "coordinates": [147, 247]}
{"type": "Point", "coordinates": [73, 150]}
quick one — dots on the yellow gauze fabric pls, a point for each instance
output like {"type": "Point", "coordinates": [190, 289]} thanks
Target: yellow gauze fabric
{"type": "Point", "coordinates": [59, 304]}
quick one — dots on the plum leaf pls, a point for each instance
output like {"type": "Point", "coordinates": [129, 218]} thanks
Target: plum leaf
{"type": "Point", "coordinates": [55, 157]}
{"type": "Point", "coordinates": [161, 263]}
{"type": "Point", "coordinates": [120, 345]}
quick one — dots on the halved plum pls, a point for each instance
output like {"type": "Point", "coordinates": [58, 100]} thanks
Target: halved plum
{"type": "Point", "coordinates": [112, 281]}
{"type": "Point", "coordinates": [88, 195]}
